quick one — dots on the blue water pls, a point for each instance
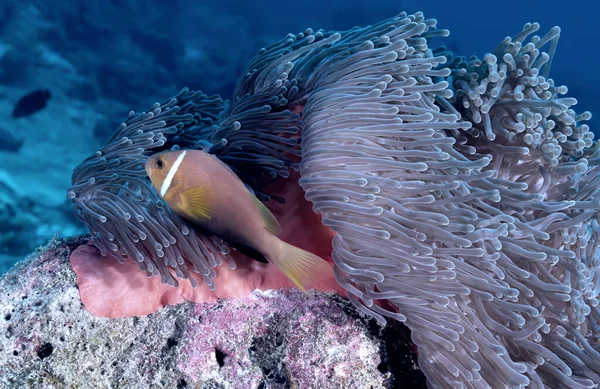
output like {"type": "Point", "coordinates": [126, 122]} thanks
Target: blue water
{"type": "Point", "coordinates": [100, 59]}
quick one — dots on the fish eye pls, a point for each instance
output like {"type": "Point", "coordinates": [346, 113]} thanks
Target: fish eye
{"type": "Point", "coordinates": [160, 163]}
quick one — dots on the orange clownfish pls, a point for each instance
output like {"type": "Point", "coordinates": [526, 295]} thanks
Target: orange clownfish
{"type": "Point", "coordinates": [204, 190]}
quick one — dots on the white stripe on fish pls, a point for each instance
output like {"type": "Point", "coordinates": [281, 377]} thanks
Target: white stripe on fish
{"type": "Point", "coordinates": [167, 182]}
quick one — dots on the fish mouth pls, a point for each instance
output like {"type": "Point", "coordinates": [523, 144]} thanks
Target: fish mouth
{"type": "Point", "coordinates": [147, 165]}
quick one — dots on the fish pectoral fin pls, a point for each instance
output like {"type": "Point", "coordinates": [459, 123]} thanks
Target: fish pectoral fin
{"type": "Point", "coordinates": [196, 203]}
{"type": "Point", "coordinates": [271, 223]}
{"type": "Point", "coordinates": [302, 267]}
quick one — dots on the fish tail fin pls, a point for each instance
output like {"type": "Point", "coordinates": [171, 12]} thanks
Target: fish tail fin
{"type": "Point", "coordinates": [302, 267]}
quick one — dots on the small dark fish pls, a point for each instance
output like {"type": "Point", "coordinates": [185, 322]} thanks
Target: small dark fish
{"type": "Point", "coordinates": [9, 142]}
{"type": "Point", "coordinates": [31, 103]}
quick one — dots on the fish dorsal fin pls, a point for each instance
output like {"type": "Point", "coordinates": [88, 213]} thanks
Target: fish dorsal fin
{"type": "Point", "coordinates": [196, 203]}
{"type": "Point", "coordinates": [271, 223]}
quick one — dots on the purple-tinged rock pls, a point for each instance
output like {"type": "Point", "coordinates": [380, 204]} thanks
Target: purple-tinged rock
{"type": "Point", "coordinates": [273, 339]}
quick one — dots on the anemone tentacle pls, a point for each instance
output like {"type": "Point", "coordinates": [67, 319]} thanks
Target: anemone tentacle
{"type": "Point", "coordinates": [460, 233]}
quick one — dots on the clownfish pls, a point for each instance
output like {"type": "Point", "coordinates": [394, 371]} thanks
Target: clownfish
{"type": "Point", "coordinates": [204, 190]}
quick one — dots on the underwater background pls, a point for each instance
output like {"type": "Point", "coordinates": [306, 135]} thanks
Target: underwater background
{"type": "Point", "coordinates": [71, 72]}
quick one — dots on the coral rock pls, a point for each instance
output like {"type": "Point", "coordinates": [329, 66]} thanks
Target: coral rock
{"type": "Point", "coordinates": [272, 339]}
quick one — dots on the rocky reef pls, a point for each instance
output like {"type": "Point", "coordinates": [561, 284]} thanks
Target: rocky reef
{"type": "Point", "coordinates": [274, 339]}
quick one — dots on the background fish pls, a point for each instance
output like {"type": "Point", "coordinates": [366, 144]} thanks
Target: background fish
{"type": "Point", "coordinates": [31, 103]}
{"type": "Point", "coordinates": [202, 189]}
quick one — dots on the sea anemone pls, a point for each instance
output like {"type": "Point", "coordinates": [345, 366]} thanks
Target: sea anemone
{"type": "Point", "coordinates": [462, 193]}
{"type": "Point", "coordinates": [125, 216]}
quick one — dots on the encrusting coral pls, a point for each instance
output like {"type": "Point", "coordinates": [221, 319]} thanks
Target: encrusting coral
{"type": "Point", "coordinates": [461, 193]}
{"type": "Point", "coordinates": [277, 338]}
